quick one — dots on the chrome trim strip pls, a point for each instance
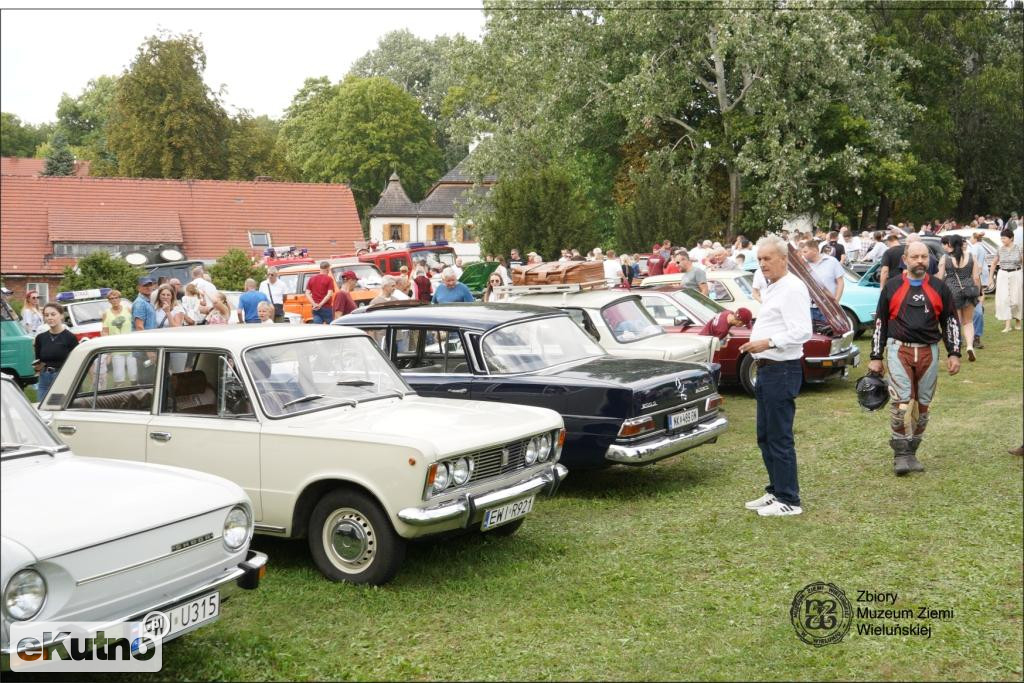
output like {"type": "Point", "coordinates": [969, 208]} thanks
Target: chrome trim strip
{"type": "Point", "coordinates": [268, 528]}
{"type": "Point", "coordinates": [112, 572]}
{"type": "Point", "coordinates": [848, 354]}
{"type": "Point", "coordinates": [667, 445]}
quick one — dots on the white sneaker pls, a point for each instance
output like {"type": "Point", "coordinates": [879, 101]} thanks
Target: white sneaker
{"type": "Point", "coordinates": [763, 501]}
{"type": "Point", "coordinates": [779, 509]}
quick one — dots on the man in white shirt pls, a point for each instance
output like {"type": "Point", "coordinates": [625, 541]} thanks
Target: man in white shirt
{"type": "Point", "coordinates": [207, 288]}
{"type": "Point", "coordinates": [777, 345]}
{"type": "Point", "coordinates": [877, 248]}
{"type": "Point", "coordinates": [826, 271]}
{"type": "Point", "coordinates": [698, 253]}
{"type": "Point", "coordinates": [458, 267]}
{"type": "Point", "coordinates": [612, 269]}
{"type": "Point", "coordinates": [275, 290]}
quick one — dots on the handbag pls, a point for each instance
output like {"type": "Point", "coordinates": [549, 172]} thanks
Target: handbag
{"type": "Point", "coordinates": [970, 291]}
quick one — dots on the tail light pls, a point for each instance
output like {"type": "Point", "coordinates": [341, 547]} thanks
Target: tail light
{"type": "Point", "coordinates": [713, 403]}
{"type": "Point", "coordinates": [636, 425]}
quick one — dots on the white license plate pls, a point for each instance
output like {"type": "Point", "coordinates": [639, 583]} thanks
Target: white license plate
{"type": "Point", "coordinates": [681, 419]}
{"type": "Point", "coordinates": [506, 513]}
{"type": "Point", "coordinates": [184, 617]}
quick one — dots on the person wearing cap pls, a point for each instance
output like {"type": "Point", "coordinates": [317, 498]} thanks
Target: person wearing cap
{"type": "Point", "coordinates": [452, 291]}
{"type": "Point", "coordinates": [320, 290]}
{"type": "Point", "coordinates": [343, 303]}
{"type": "Point", "coordinates": [722, 324]}
{"type": "Point", "coordinates": [143, 312]}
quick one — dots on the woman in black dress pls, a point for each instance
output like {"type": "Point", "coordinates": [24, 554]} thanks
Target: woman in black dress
{"type": "Point", "coordinates": [52, 347]}
{"type": "Point", "coordinates": [960, 271]}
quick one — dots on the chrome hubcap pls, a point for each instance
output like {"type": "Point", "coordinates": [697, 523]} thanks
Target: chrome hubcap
{"type": "Point", "coordinates": [349, 540]}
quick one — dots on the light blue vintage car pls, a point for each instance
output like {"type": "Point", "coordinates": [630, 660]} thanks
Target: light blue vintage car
{"type": "Point", "coordinates": [860, 298]}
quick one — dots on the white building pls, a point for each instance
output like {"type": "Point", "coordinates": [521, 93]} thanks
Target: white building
{"type": "Point", "coordinates": [396, 218]}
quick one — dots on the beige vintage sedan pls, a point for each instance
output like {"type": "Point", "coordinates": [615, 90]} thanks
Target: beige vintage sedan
{"type": "Point", "coordinates": [316, 425]}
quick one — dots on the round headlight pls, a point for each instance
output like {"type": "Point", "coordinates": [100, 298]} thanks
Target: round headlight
{"type": "Point", "coordinates": [531, 451]}
{"type": "Point", "coordinates": [544, 448]}
{"type": "Point", "coordinates": [441, 477]}
{"type": "Point", "coordinates": [25, 594]}
{"type": "Point", "coordinates": [236, 528]}
{"type": "Point", "coordinates": [462, 470]}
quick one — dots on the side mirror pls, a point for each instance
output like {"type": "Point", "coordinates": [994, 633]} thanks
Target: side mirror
{"type": "Point", "coordinates": [681, 321]}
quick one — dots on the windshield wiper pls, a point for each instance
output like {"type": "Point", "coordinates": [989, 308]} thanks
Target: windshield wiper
{"type": "Point", "coordinates": [391, 393]}
{"type": "Point", "coordinates": [32, 449]}
{"type": "Point", "coordinates": [354, 383]}
{"type": "Point", "coordinates": [307, 397]}
{"type": "Point", "coordinates": [313, 397]}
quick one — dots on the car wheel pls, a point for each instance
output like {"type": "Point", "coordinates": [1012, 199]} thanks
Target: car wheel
{"type": "Point", "coordinates": [851, 320]}
{"type": "Point", "coordinates": [748, 374]}
{"type": "Point", "coordinates": [505, 529]}
{"type": "Point", "coordinates": [351, 539]}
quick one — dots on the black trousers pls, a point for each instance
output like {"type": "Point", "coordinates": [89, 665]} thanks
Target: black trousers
{"type": "Point", "coordinates": [776, 390]}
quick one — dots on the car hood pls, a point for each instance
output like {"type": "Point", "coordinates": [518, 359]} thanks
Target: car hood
{"type": "Point", "coordinates": [437, 427]}
{"type": "Point", "coordinates": [53, 505]}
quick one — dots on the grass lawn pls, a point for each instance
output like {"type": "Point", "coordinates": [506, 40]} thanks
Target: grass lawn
{"type": "Point", "coordinates": [660, 574]}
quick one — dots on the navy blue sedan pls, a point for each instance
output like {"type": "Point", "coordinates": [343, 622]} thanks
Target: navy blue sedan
{"type": "Point", "coordinates": [616, 410]}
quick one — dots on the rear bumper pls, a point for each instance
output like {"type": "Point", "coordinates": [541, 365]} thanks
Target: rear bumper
{"type": "Point", "coordinates": [666, 445]}
{"type": "Point", "coordinates": [469, 509]}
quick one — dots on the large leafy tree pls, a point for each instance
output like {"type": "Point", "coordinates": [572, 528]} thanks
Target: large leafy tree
{"type": "Point", "coordinates": [358, 132]}
{"type": "Point", "coordinates": [233, 268]}
{"type": "Point", "coordinates": [254, 149]}
{"type": "Point", "coordinates": [18, 139]}
{"type": "Point", "coordinates": [83, 120]}
{"type": "Point", "coordinates": [165, 122]}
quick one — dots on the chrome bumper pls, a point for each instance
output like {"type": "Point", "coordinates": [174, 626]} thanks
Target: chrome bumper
{"type": "Point", "coordinates": [650, 451]}
{"type": "Point", "coordinates": [466, 510]}
{"type": "Point", "coordinates": [244, 576]}
{"type": "Point", "coordinates": [850, 356]}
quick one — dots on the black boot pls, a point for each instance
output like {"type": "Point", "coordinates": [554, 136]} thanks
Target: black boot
{"type": "Point", "coordinates": [915, 465]}
{"type": "Point", "coordinates": [901, 457]}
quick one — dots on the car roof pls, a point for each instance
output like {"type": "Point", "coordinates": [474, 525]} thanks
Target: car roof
{"type": "Point", "coordinates": [478, 316]}
{"type": "Point", "coordinates": [225, 336]}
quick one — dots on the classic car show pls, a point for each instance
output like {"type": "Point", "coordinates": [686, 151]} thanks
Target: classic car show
{"type": "Point", "coordinates": [503, 340]}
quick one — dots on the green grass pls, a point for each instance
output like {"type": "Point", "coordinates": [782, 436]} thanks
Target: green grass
{"type": "Point", "coordinates": [660, 574]}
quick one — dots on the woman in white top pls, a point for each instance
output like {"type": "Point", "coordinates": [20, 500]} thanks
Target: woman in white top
{"type": "Point", "coordinates": [190, 304]}
{"type": "Point", "coordinates": [31, 316]}
{"type": "Point", "coordinates": [169, 313]}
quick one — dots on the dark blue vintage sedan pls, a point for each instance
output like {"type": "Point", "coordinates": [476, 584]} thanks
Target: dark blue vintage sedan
{"type": "Point", "coordinates": [616, 410]}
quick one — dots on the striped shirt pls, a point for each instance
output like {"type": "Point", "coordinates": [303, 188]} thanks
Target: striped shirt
{"type": "Point", "coordinates": [1009, 257]}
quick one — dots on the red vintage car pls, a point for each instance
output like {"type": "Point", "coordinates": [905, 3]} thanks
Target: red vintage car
{"type": "Point", "coordinates": [687, 311]}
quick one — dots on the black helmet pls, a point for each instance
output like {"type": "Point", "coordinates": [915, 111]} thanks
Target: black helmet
{"type": "Point", "coordinates": [872, 392]}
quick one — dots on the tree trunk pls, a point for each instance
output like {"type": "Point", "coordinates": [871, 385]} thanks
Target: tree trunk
{"type": "Point", "coordinates": [883, 211]}
{"type": "Point", "coordinates": [734, 202]}
{"type": "Point", "coordinates": [865, 216]}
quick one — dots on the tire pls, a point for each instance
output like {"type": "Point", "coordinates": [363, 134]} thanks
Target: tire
{"type": "Point", "coordinates": [748, 374]}
{"type": "Point", "coordinates": [855, 325]}
{"type": "Point", "coordinates": [505, 529]}
{"type": "Point", "coordinates": [373, 552]}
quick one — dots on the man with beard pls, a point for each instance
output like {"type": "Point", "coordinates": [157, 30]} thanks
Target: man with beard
{"type": "Point", "coordinates": [914, 312]}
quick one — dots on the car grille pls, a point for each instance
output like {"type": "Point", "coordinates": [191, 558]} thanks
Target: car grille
{"type": "Point", "coordinates": [488, 463]}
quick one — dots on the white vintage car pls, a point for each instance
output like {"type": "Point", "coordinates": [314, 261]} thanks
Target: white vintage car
{"type": "Point", "coordinates": [111, 542]}
{"type": "Point", "coordinates": [320, 430]}
{"type": "Point", "coordinates": [618, 321]}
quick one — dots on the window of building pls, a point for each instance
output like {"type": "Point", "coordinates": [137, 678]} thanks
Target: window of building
{"type": "Point", "coordinates": [437, 232]}
{"type": "Point", "coordinates": [468, 234]}
{"type": "Point", "coordinates": [395, 232]}
{"type": "Point", "coordinates": [42, 288]}
{"type": "Point", "coordinates": [259, 240]}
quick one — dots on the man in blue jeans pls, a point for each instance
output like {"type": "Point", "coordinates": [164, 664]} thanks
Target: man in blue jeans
{"type": "Point", "coordinates": [777, 345]}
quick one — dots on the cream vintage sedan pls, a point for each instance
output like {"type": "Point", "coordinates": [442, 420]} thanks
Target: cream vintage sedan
{"type": "Point", "coordinates": [112, 542]}
{"type": "Point", "coordinates": [324, 435]}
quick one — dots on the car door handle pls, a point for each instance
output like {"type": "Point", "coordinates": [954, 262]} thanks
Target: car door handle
{"type": "Point", "coordinates": [458, 391]}
{"type": "Point", "coordinates": [67, 429]}
{"type": "Point", "coordinates": [160, 436]}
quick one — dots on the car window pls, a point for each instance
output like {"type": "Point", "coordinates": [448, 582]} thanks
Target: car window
{"type": "Point", "coordinates": [316, 374]}
{"type": "Point", "coordinates": [87, 312]}
{"type": "Point", "coordinates": [694, 302]}
{"type": "Point", "coordinates": [745, 284]}
{"type": "Point", "coordinates": [203, 383]}
{"type": "Point", "coordinates": [663, 310]}
{"type": "Point", "coordinates": [290, 282]}
{"type": "Point", "coordinates": [19, 423]}
{"type": "Point", "coordinates": [433, 351]}
{"type": "Point", "coordinates": [718, 291]}
{"type": "Point", "coordinates": [582, 318]}
{"type": "Point", "coordinates": [117, 380]}
{"type": "Point", "coordinates": [395, 264]}
{"type": "Point", "coordinates": [378, 335]}
{"type": "Point", "coordinates": [629, 321]}
{"type": "Point", "coordinates": [536, 344]}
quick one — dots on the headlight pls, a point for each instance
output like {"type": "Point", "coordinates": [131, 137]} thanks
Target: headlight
{"type": "Point", "coordinates": [544, 449]}
{"type": "Point", "coordinates": [836, 346]}
{"type": "Point", "coordinates": [531, 451]}
{"type": "Point", "coordinates": [236, 528]}
{"type": "Point", "coordinates": [462, 470]}
{"type": "Point", "coordinates": [25, 594]}
{"type": "Point", "coordinates": [441, 477]}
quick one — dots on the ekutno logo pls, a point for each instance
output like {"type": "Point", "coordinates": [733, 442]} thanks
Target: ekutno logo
{"type": "Point", "coordinates": [85, 646]}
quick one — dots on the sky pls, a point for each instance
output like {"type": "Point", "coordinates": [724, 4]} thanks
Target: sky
{"type": "Point", "coordinates": [260, 53]}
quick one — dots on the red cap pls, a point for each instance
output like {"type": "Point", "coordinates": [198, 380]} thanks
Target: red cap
{"type": "Point", "coordinates": [350, 275]}
{"type": "Point", "coordinates": [744, 315]}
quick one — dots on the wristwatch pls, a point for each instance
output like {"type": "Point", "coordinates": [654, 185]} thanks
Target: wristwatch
{"type": "Point", "coordinates": [771, 343]}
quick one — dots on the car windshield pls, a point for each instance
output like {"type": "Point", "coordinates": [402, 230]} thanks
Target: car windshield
{"type": "Point", "coordinates": [630, 322]}
{"type": "Point", "coordinates": [290, 282]}
{"type": "Point", "coordinates": [434, 257]}
{"type": "Point", "coordinates": [850, 275]}
{"type": "Point", "coordinates": [537, 344]}
{"type": "Point", "coordinates": [297, 377]}
{"type": "Point", "coordinates": [20, 425]}
{"type": "Point", "coordinates": [745, 283]}
{"type": "Point", "coordinates": [702, 307]}
{"type": "Point", "coordinates": [369, 276]}
{"type": "Point", "coordinates": [88, 311]}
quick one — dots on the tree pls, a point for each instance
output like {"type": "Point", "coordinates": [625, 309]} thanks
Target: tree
{"type": "Point", "coordinates": [165, 122]}
{"type": "Point", "coordinates": [233, 268]}
{"type": "Point", "coordinates": [19, 139]}
{"type": "Point", "coordinates": [254, 149]}
{"type": "Point", "coordinates": [100, 269]}
{"type": "Point", "coordinates": [359, 132]}
{"type": "Point", "coordinates": [542, 210]}
{"type": "Point", "coordinates": [84, 119]}
{"type": "Point", "coordinates": [59, 160]}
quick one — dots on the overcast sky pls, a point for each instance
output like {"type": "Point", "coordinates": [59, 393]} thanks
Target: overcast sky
{"type": "Point", "coordinates": [261, 55]}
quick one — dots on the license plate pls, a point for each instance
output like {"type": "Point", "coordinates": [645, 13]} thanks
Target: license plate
{"type": "Point", "coordinates": [183, 617]}
{"type": "Point", "coordinates": [506, 513]}
{"type": "Point", "coordinates": [686, 417]}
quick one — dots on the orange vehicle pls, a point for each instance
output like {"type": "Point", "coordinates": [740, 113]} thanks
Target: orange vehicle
{"type": "Point", "coordinates": [295, 278]}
